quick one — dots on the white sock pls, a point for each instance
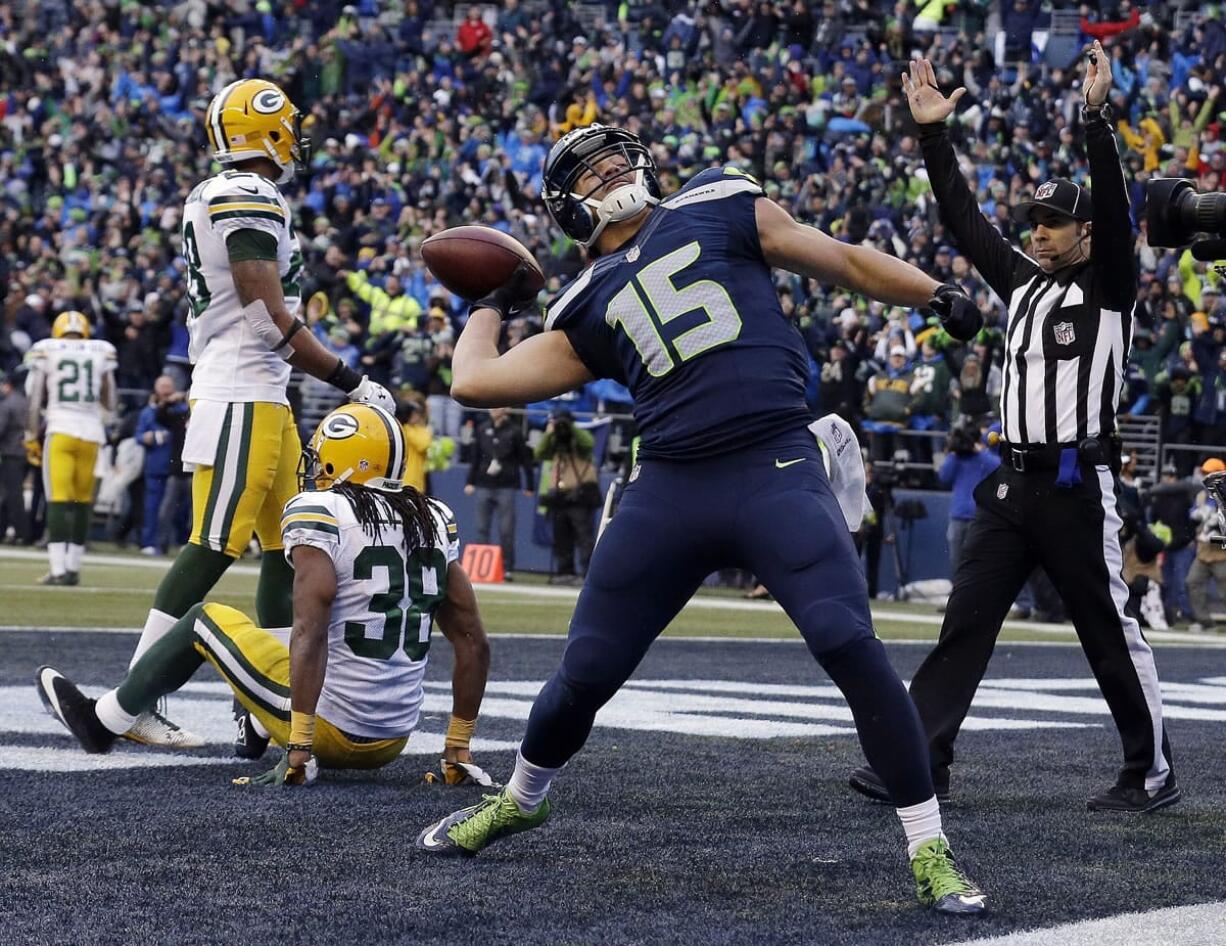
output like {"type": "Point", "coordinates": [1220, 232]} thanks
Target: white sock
{"type": "Point", "coordinates": [113, 716]}
{"type": "Point", "coordinates": [529, 784]}
{"type": "Point", "coordinates": [157, 625]}
{"type": "Point", "coordinates": [57, 552]}
{"type": "Point", "coordinates": [922, 823]}
{"type": "Point", "coordinates": [280, 633]}
{"type": "Point", "coordinates": [75, 554]}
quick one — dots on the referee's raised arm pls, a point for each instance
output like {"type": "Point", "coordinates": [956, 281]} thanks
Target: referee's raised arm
{"type": "Point", "coordinates": [977, 238]}
{"type": "Point", "coordinates": [1112, 243]}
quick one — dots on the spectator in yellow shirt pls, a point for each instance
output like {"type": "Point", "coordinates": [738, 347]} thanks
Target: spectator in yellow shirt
{"type": "Point", "coordinates": [414, 420]}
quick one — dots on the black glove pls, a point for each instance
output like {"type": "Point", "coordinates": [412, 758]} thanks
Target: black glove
{"type": "Point", "coordinates": [513, 294]}
{"type": "Point", "coordinates": [959, 315]}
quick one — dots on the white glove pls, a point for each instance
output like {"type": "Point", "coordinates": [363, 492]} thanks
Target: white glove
{"type": "Point", "coordinates": [374, 394]}
{"type": "Point", "coordinates": [844, 466]}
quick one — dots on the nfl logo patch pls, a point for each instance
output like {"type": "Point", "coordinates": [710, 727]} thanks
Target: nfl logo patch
{"type": "Point", "coordinates": [1064, 333]}
{"type": "Point", "coordinates": [1002, 490]}
{"type": "Point", "coordinates": [1045, 190]}
{"type": "Point", "coordinates": [632, 255]}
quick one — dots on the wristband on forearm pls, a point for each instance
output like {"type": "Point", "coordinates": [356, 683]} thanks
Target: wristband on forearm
{"type": "Point", "coordinates": [459, 733]}
{"type": "Point", "coordinates": [343, 377]}
{"type": "Point", "coordinates": [301, 731]}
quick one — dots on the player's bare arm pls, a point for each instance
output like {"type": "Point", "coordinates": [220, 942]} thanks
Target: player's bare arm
{"type": "Point", "coordinates": [314, 590]}
{"type": "Point", "coordinates": [807, 251]}
{"type": "Point", "coordinates": [36, 391]}
{"type": "Point", "coordinates": [536, 369]}
{"type": "Point", "coordinates": [110, 392]}
{"type": "Point", "coordinates": [259, 281]}
{"type": "Point", "coordinates": [460, 622]}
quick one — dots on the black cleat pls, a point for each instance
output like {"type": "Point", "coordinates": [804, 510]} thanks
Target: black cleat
{"type": "Point", "coordinates": [1136, 800]}
{"type": "Point", "coordinates": [54, 581]}
{"type": "Point", "coordinates": [71, 579]}
{"type": "Point", "coordinates": [74, 709]}
{"type": "Point", "coordinates": [248, 744]}
{"type": "Point", "coordinates": [868, 783]}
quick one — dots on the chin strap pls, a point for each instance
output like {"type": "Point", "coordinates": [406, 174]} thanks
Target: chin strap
{"type": "Point", "coordinates": [625, 202]}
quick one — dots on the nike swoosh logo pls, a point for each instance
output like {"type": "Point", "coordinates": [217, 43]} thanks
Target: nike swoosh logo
{"type": "Point", "coordinates": [430, 840]}
{"type": "Point", "coordinates": [784, 464]}
{"type": "Point", "coordinates": [249, 190]}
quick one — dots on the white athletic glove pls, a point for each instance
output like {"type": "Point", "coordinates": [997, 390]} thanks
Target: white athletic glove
{"type": "Point", "coordinates": [375, 394]}
{"type": "Point", "coordinates": [844, 466]}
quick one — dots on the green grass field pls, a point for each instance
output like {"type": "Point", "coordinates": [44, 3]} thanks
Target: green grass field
{"type": "Point", "coordinates": [117, 589]}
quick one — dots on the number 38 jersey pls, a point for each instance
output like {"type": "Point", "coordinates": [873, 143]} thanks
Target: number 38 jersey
{"type": "Point", "coordinates": [687, 317]}
{"type": "Point", "coordinates": [382, 614]}
{"type": "Point", "coordinates": [232, 363]}
{"type": "Point", "coordinates": [74, 369]}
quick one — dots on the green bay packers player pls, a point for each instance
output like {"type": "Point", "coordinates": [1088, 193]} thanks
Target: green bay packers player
{"type": "Point", "coordinates": [243, 267]}
{"type": "Point", "coordinates": [72, 380]}
{"type": "Point", "coordinates": [375, 563]}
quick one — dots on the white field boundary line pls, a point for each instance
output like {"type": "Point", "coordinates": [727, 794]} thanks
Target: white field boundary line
{"type": "Point", "coordinates": [544, 592]}
{"type": "Point", "coordinates": [1194, 642]}
{"type": "Point", "coordinates": [1198, 925]}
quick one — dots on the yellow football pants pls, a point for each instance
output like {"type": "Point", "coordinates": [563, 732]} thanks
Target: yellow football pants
{"type": "Point", "coordinates": [68, 469]}
{"type": "Point", "coordinates": [256, 665]}
{"type": "Point", "coordinates": [255, 474]}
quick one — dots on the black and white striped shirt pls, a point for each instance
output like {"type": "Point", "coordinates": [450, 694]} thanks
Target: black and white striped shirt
{"type": "Point", "coordinates": [1069, 332]}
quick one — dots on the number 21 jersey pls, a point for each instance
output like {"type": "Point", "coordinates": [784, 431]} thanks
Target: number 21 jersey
{"type": "Point", "coordinates": [74, 369]}
{"type": "Point", "coordinates": [687, 317]}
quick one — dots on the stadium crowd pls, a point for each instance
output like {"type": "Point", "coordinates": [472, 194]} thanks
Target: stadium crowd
{"type": "Point", "coordinates": [423, 115]}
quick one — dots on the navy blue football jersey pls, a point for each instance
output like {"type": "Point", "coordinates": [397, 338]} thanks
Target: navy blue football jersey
{"type": "Point", "coordinates": [687, 317]}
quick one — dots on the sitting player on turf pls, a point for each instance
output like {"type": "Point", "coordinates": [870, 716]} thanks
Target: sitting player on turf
{"type": "Point", "coordinates": [374, 564]}
{"type": "Point", "coordinates": [679, 305]}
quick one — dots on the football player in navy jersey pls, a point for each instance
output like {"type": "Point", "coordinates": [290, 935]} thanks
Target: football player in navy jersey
{"type": "Point", "coordinates": [678, 305]}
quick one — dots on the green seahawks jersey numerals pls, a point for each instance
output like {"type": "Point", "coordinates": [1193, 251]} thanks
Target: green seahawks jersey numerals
{"type": "Point", "coordinates": [652, 299]}
{"type": "Point", "coordinates": [426, 576]}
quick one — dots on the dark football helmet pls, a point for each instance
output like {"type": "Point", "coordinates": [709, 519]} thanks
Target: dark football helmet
{"type": "Point", "coordinates": [580, 215]}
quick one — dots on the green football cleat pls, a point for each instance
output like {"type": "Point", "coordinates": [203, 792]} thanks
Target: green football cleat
{"type": "Point", "coordinates": [940, 885]}
{"type": "Point", "coordinates": [470, 830]}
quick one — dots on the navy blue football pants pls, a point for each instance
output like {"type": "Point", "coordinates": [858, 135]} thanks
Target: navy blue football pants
{"type": "Point", "coordinates": [756, 509]}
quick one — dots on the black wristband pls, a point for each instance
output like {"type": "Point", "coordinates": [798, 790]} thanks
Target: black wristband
{"type": "Point", "coordinates": [299, 747]}
{"type": "Point", "coordinates": [293, 330]}
{"type": "Point", "coordinates": [344, 377]}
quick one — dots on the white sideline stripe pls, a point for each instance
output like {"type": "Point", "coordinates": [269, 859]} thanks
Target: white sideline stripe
{"type": "Point", "coordinates": [1188, 641]}
{"type": "Point", "coordinates": [544, 591]}
{"type": "Point", "coordinates": [1198, 925]}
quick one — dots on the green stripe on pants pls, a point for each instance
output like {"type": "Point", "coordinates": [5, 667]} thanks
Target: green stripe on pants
{"type": "Point", "coordinates": [219, 471]}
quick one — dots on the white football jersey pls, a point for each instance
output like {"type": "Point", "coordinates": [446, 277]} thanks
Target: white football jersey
{"type": "Point", "coordinates": [73, 369]}
{"type": "Point", "coordinates": [232, 362]}
{"type": "Point", "coordinates": [382, 615]}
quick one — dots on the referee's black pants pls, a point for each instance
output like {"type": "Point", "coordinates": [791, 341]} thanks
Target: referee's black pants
{"type": "Point", "coordinates": [1023, 520]}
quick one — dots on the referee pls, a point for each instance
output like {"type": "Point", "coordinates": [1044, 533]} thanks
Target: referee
{"type": "Point", "coordinates": [1052, 501]}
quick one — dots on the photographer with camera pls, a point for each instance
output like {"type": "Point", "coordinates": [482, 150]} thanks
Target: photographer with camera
{"type": "Point", "coordinates": [573, 495]}
{"type": "Point", "coordinates": [1052, 501]}
{"type": "Point", "coordinates": [967, 463]}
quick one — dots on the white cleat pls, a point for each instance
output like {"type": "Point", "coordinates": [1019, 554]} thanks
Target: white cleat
{"type": "Point", "coordinates": [153, 729]}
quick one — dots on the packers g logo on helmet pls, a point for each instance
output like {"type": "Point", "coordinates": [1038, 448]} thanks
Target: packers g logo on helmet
{"type": "Point", "coordinates": [68, 323]}
{"type": "Point", "coordinates": [254, 118]}
{"type": "Point", "coordinates": [356, 443]}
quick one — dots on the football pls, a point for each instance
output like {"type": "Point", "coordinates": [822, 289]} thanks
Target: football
{"type": "Point", "coordinates": [474, 261]}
